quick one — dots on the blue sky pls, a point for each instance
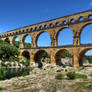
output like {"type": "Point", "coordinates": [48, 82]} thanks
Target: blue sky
{"type": "Point", "coordinates": [18, 13]}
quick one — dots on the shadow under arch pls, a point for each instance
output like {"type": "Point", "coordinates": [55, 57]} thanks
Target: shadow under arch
{"type": "Point", "coordinates": [27, 44]}
{"type": "Point", "coordinates": [63, 54]}
{"type": "Point", "coordinates": [39, 55]}
{"type": "Point", "coordinates": [68, 36]}
{"type": "Point", "coordinates": [85, 34]}
{"type": "Point", "coordinates": [82, 55]}
{"type": "Point", "coordinates": [26, 54]}
{"type": "Point", "coordinates": [44, 41]}
{"type": "Point", "coordinates": [7, 40]}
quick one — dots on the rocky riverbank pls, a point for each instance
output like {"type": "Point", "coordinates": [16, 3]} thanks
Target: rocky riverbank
{"type": "Point", "coordinates": [44, 80]}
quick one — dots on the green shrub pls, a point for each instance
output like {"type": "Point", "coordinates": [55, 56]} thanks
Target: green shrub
{"type": "Point", "coordinates": [59, 76]}
{"type": "Point", "coordinates": [26, 72]}
{"type": "Point", "coordinates": [81, 76]}
{"type": "Point", "coordinates": [2, 73]}
{"type": "Point", "coordinates": [1, 88]}
{"type": "Point", "coordinates": [71, 75]}
{"type": "Point", "coordinates": [81, 68]}
{"type": "Point", "coordinates": [90, 74]}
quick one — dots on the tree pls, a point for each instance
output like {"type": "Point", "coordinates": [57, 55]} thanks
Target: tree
{"type": "Point", "coordinates": [66, 54]}
{"type": "Point", "coordinates": [7, 50]}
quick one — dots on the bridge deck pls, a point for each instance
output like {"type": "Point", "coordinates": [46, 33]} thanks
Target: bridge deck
{"type": "Point", "coordinates": [64, 46]}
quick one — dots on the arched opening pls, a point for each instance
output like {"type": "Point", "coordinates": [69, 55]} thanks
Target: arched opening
{"type": "Point", "coordinates": [26, 58]}
{"type": "Point", "coordinates": [90, 17]}
{"type": "Point", "coordinates": [41, 57]}
{"type": "Point", "coordinates": [7, 40]}
{"type": "Point", "coordinates": [43, 40]}
{"type": "Point", "coordinates": [16, 41]}
{"type": "Point", "coordinates": [72, 21]}
{"type": "Point", "coordinates": [81, 19]}
{"type": "Point", "coordinates": [85, 57]}
{"type": "Point", "coordinates": [86, 35]}
{"type": "Point", "coordinates": [63, 58]}
{"type": "Point", "coordinates": [27, 41]}
{"type": "Point", "coordinates": [26, 55]}
{"type": "Point", "coordinates": [65, 37]}
{"type": "Point", "coordinates": [64, 22]}
{"type": "Point", "coordinates": [57, 24]}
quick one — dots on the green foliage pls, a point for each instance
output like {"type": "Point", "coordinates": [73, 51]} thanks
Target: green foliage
{"type": "Point", "coordinates": [26, 72]}
{"type": "Point", "coordinates": [80, 86]}
{"type": "Point", "coordinates": [2, 73]}
{"type": "Point", "coordinates": [6, 51]}
{"type": "Point", "coordinates": [13, 72]}
{"type": "Point", "coordinates": [71, 75]}
{"type": "Point", "coordinates": [44, 55]}
{"type": "Point", "coordinates": [81, 76]}
{"type": "Point", "coordinates": [90, 74]}
{"type": "Point", "coordinates": [53, 87]}
{"type": "Point", "coordinates": [89, 58]}
{"type": "Point", "coordinates": [59, 76]}
{"type": "Point", "coordinates": [66, 54]}
{"type": "Point", "coordinates": [13, 59]}
{"type": "Point", "coordinates": [27, 45]}
{"type": "Point", "coordinates": [26, 62]}
{"type": "Point", "coordinates": [81, 68]}
{"type": "Point", "coordinates": [9, 54]}
{"type": "Point", "coordinates": [16, 44]}
{"type": "Point", "coordinates": [2, 88]}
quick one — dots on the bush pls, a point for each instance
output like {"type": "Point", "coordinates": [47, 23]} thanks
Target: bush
{"type": "Point", "coordinates": [80, 68]}
{"type": "Point", "coordinates": [59, 76]}
{"type": "Point", "coordinates": [71, 75]}
{"type": "Point", "coordinates": [81, 76]}
{"type": "Point", "coordinates": [26, 72]}
{"type": "Point", "coordinates": [2, 73]}
{"type": "Point", "coordinates": [1, 88]}
{"type": "Point", "coordinates": [14, 72]}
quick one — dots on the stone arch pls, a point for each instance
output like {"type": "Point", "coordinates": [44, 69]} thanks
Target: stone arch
{"type": "Point", "coordinates": [7, 40]}
{"type": "Point", "coordinates": [39, 55]}
{"type": "Point", "coordinates": [16, 42]}
{"type": "Point", "coordinates": [28, 43]}
{"type": "Point", "coordinates": [26, 54]}
{"type": "Point", "coordinates": [38, 36]}
{"type": "Point", "coordinates": [60, 54]}
{"type": "Point", "coordinates": [64, 29]}
{"type": "Point", "coordinates": [82, 54]}
{"type": "Point", "coordinates": [83, 29]}
{"type": "Point", "coordinates": [83, 26]}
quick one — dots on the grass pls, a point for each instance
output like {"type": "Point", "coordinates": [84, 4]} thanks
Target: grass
{"type": "Point", "coordinates": [90, 74]}
{"type": "Point", "coordinates": [73, 75]}
{"type": "Point", "coordinates": [2, 88]}
{"type": "Point", "coordinates": [15, 84]}
{"type": "Point", "coordinates": [54, 88]}
{"type": "Point", "coordinates": [80, 86]}
{"type": "Point", "coordinates": [59, 76]}
{"type": "Point", "coordinates": [80, 68]}
{"type": "Point", "coordinates": [82, 76]}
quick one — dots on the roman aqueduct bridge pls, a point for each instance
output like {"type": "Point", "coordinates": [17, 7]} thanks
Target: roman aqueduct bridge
{"type": "Point", "coordinates": [75, 22]}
